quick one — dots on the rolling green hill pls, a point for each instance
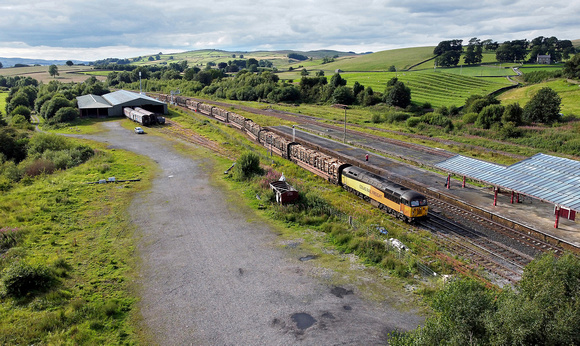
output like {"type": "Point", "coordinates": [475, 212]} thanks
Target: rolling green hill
{"type": "Point", "coordinates": [437, 88]}
{"type": "Point", "coordinates": [381, 61]}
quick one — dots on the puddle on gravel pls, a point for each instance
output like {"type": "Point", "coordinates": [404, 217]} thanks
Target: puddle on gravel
{"type": "Point", "coordinates": [303, 320]}
{"type": "Point", "coordinates": [340, 292]}
{"type": "Point", "coordinates": [328, 315]}
{"type": "Point", "coordinates": [307, 258]}
{"type": "Point", "coordinates": [292, 245]}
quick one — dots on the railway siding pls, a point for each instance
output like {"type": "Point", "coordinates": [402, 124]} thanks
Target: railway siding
{"type": "Point", "coordinates": [436, 193]}
{"type": "Point", "coordinates": [411, 177]}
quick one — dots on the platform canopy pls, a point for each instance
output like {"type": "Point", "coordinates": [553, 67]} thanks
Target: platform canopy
{"type": "Point", "coordinates": [548, 178]}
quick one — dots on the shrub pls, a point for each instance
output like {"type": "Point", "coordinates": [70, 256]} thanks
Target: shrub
{"type": "Point", "coordinates": [61, 159]}
{"type": "Point", "coordinates": [470, 118]}
{"type": "Point", "coordinates": [50, 108]}
{"type": "Point", "coordinates": [392, 117]}
{"type": "Point", "coordinates": [19, 121]}
{"type": "Point", "coordinates": [247, 165]}
{"type": "Point", "coordinates": [22, 278]}
{"type": "Point", "coordinates": [38, 167]}
{"type": "Point", "coordinates": [453, 110]}
{"type": "Point", "coordinates": [543, 107]}
{"type": "Point", "coordinates": [41, 142]}
{"type": "Point", "coordinates": [513, 113]}
{"type": "Point", "coordinates": [21, 110]}
{"type": "Point", "coordinates": [65, 114]}
{"type": "Point", "coordinates": [510, 130]}
{"type": "Point", "coordinates": [376, 118]}
{"type": "Point", "coordinates": [5, 183]}
{"type": "Point", "coordinates": [437, 120]}
{"type": "Point", "coordinates": [489, 115]}
{"type": "Point", "coordinates": [413, 121]}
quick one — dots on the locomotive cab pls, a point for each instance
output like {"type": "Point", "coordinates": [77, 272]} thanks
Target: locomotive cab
{"type": "Point", "coordinates": [414, 205]}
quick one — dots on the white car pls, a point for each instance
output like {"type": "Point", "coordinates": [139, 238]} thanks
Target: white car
{"type": "Point", "coordinates": [139, 130]}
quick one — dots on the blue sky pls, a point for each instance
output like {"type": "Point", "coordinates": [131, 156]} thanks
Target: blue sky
{"type": "Point", "coordinates": [90, 30]}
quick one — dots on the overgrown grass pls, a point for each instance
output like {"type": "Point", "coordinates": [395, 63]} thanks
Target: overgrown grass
{"type": "Point", "coordinates": [86, 126]}
{"type": "Point", "coordinates": [80, 234]}
{"type": "Point", "coordinates": [569, 92]}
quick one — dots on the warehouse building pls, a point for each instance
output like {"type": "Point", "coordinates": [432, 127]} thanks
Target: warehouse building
{"type": "Point", "coordinates": [112, 104]}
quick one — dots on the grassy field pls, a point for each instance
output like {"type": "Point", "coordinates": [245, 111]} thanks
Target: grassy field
{"type": "Point", "coordinates": [533, 67]}
{"type": "Point", "coordinates": [381, 61]}
{"type": "Point", "coordinates": [96, 73]}
{"type": "Point", "coordinates": [437, 88]}
{"type": "Point", "coordinates": [67, 74]}
{"type": "Point", "coordinates": [569, 92]}
{"type": "Point", "coordinates": [200, 58]}
{"type": "Point", "coordinates": [3, 96]}
{"type": "Point", "coordinates": [82, 233]}
{"type": "Point", "coordinates": [478, 71]}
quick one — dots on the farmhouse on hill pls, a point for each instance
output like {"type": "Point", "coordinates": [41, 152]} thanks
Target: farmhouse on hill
{"type": "Point", "coordinates": [544, 59]}
{"type": "Point", "coordinates": [112, 104]}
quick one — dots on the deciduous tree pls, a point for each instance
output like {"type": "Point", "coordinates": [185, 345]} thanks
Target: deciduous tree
{"type": "Point", "coordinates": [397, 94]}
{"type": "Point", "coordinates": [53, 70]}
{"type": "Point", "coordinates": [544, 107]}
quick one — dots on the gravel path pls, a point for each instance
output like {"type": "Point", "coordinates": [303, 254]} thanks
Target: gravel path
{"type": "Point", "coordinates": [213, 274]}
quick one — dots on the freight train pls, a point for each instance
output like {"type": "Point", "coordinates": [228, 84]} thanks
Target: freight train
{"type": "Point", "coordinates": [405, 204]}
{"type": "Point", "coordinates": [142, 116]}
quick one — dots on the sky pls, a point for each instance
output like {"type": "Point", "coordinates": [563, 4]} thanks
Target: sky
{"type": "Point", "coordinates": [98, 29]}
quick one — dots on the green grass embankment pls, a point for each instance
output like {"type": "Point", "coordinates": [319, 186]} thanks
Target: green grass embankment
{"type": "Point", "coordinates": [82, 233]}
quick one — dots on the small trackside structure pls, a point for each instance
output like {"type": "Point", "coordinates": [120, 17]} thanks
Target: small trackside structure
{"type": "Point", "coordinates": [285, 193]}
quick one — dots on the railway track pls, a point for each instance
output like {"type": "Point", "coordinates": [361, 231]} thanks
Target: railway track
{"type": "Point", "coordinates": [307, 119]}
{"type": "Point", "coordinates": [475, 247]}
{"type": "Point", "coordinates": [501, 251]}
{"type": "Point", "coordinates": [174, 130]}
{"type": "Point", "coordinates": [515, 239]}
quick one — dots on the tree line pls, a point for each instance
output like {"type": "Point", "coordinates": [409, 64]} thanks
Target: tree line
{"type": "Point", "coordinates": [448, 53]}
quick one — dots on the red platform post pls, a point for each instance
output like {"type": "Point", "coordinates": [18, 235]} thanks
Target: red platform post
{"type": "Point", "coordinates": [463, 182]}
{"type": "Point", "coordinates": [495, 196]}
{"type": "Point", "coordinates": [448, 180]}
{"type": "Point", "coordinates": [557, 216]}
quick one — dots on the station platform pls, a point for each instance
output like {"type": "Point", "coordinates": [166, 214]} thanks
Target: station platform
{"type": "Point", "coordinates": [532, 213]}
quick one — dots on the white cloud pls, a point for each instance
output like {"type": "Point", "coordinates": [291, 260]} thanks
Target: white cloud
{"type": "Point", "coordinates": [76, 29]}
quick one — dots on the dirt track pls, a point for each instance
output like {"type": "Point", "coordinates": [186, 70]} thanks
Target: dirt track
{"type": "Point", "coordinates": [213, 273]}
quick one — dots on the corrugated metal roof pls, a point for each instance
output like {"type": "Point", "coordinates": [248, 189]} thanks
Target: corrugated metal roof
{"type": "Point", "coordinates": [122, 96]}
{"type": "Point", "coordinates": [549, 178]}
{"type": "Point", "coordinates": [92, 101]}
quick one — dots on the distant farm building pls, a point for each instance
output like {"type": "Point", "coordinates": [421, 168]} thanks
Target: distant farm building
{"type": "Point", "coordinates": [112, 104]}
{"type": "Point", "coordinates": [544, 59]}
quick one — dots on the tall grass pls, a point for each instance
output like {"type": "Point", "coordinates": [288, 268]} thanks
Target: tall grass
{"type": "Point", "coordinates": [76, 250]}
